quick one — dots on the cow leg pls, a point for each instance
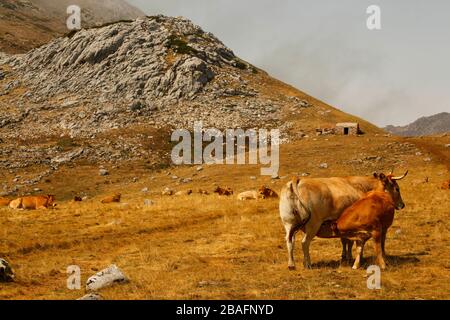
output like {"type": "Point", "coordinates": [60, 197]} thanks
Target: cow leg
{"type": "Point", "coordinates": [349, 256]}
{"type": "Point", "coordinates": [377, 236]}
{"type": "Point", "coordinates": [359, 253]}
{"type": "Point", "coordinates": [383, 241]}
{"type": "Point", "coordinates": [344, 251]}
{"type": "Point", "coordinates": [347, 246]}
{"type": "Point", "coordinates": [290, 242]}
{"type": "Point", "coordinates": [310, 232]}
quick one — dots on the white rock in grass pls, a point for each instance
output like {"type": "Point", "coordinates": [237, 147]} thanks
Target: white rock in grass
{"type": "Point", "coordinates": [105, 278]}
{"type": "Point", "coordinates": [91, 296]}
{"type": "Point", "coordinates": [103, 172]}
{"type": "Point", "coordinates": [167, 192]}
{"type": "Point", "coordinates": [148, 202]}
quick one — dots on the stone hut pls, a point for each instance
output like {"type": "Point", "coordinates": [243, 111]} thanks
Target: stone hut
{"type": "Point", "coordinates": [347, 128]}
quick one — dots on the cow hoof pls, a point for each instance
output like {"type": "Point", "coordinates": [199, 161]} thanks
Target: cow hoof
{"type": "Point", "coordinates": [344, 262]}
{"type": "Point", "coordinates": [291, 268]}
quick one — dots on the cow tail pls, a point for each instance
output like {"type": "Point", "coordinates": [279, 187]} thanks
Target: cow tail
{"type": "Point", "coordinates": [294, 187]}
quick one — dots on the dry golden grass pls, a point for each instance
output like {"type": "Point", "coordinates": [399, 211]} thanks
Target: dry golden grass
{"type": "Point", "coordinates": [211, 247]}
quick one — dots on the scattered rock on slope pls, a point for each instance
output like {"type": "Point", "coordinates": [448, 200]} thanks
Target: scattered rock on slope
{"type": "Point", "coordinates": [6, 273]}
{"type": "Point", "coordinates": [106, 278]}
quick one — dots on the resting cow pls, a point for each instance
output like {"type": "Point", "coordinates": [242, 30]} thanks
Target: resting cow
{"type": "Point", "coordinates": [267, 193]}
{"type": "Point", "coordinates": [203, 192]}
{"type": "Point", "coordinates": [112, 199]}
{"type": "Point", "coordinates": [4, 202]}
{"type": "Point", "coordinates": [183, 193]}
{"type": "Point", "coordinates": [305, 204]}
{"type": "Point", "coordinates": [223, 191]}
{"type": "Point", "coordinates": [249, 195]}
{"type": "Point", "coordinates": [33, 202]}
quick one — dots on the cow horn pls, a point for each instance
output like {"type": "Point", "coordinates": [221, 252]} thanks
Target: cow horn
{"type": "Point", "coordinates": [400, 177]}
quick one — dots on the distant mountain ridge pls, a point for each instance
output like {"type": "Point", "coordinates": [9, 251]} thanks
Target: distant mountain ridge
{"type": "Point", "coordinates": [438, 123]}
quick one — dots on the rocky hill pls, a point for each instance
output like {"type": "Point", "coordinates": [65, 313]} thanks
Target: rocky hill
{"type": "Point", "coordinates": [115, 93]}
{"type": "Point", "coordinates": [27, 24]}
{"type": "Point", "coordinates": [438, 123]}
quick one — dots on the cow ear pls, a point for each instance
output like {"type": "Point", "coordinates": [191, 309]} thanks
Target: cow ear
{"type": "Point", "coordinates": [375, 175]}
{"type": "Point", "coordinates": [381, 176]}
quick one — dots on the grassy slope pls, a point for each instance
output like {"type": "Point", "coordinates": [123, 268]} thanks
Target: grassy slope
{"type": "Point", "coordinates": [25, 28]}
{"type": "Point", "coordinates": [212, 247]}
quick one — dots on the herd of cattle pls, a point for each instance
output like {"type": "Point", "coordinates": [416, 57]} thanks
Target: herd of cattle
{"type": "Point", "coordinates": [354, 209]}
{"type": "Point", "coordinates": [48, 201]}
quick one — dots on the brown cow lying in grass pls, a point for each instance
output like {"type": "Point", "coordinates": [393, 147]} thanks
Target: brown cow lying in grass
{"type": "Point", "coordinates": [4, 202]}
{"type": "Point", "coordinates": [369, 217]}
{"type": "Point", "coordinates": [33, 202]}
{"type": "Point", "coordinates": [77, 199]}
{"type": "Point", "coordinates": [267, 193]}
{"type": "Point", "coordinates": [223, 191]}
{"type": "Point", "coordinates": [112, 199]}
{"type": "Point", "coordinates": [262, 193]}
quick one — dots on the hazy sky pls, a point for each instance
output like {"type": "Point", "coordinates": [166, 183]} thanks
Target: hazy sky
{"type": "Point", "coordinates": [323, 47]}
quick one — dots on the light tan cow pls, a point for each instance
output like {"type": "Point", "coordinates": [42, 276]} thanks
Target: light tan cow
{"type": "Point", "coordinates": [183, 193]}
{"type": "Point", "coordinates": [203, 192]}
{"type": "Point", "coordinates": [16, 204]}
{"type": "Point", "coordinates": [249, 195]}
{"type": "Point", "coordinates": [33, 202]}
{"type": "Point", "coordinates": [305, 204]}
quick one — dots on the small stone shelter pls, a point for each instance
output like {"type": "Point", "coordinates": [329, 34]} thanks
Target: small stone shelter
{"type": "Point", "coordinates": [347, 128]}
